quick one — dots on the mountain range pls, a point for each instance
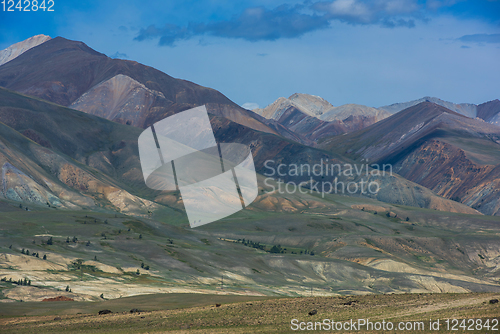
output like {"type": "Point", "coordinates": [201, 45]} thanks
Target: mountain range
{"type": "Point", "coordinates": [54, 65]}
{"type": "Point", "coordinates": [69, 122]}
{"type": "Point", "coordinates": [451, 154]}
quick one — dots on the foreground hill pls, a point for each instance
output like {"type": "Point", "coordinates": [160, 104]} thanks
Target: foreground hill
{"type": "Point", "coordinates": [453, 155]}
{"type": "Point", "coordinates": [336, 245]}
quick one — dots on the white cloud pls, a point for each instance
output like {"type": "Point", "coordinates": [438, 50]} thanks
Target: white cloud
{"type": "Point", "coordinates": [250, 105]}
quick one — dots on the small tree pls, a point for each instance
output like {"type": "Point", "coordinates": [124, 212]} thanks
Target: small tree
{"type": "Point", "coordinates": [27, 252]}
{"type": "Point", "coordinates": [275, 249]}
{"type": "Point", "coordinates": [44, 257]}
{"type": "Point", "coordinates": [138, 272]}
{"type": "Point", "coordinates": [140, 236]}
{"type": "Point", "coordinates": [142, 265]}
{"type": "Point", "coordinates": [407, 218]}
{"type": "Point", "coordinates": [22, 251]}
{"type": "Point", "coordinates": [146, 267]}
{"type": "Point", "coordinates": [95, 257]}
{"type": "Point", "coordinates": [67, 288]}
{"type": "Point", "coordinates": [102, 295]}
{"type": "Point", "coordinates": [78, 263]}
{"type": "Point", "coordinates": [67, 240]}
{"type": "Point", "coordinates": [49, 242]}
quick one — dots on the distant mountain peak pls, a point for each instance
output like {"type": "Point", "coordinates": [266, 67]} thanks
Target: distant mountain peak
{"type": "Point", "coordinates": [19, 48]}
{"type": "Point", "coordinates": [310, 105]}
{"type": "Point", "coordinates": [345, 111]}
{"type": "Point", "coordinates": [466, 109]}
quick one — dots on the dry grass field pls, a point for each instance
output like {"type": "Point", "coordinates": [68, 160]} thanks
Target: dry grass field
{"type": "Point", "coordinates": [193, 313]}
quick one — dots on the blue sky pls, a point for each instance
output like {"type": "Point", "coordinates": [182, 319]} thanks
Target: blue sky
{"type": "Point", "coordinates": [347, 51]}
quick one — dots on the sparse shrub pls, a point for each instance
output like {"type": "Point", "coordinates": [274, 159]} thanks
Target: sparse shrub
{"type": "Point", "coordinates": [140, 236]}
{"type": "Point", "coordinates": [407, 218]}
{"type": "Point", "coordinates": [49, 242]}
{"type": "Point", "coordinates": [138, 272]}
{"type": "Point", "coordinates": [146, 267]}
{"type": "Point", "coordinates": [67, 240]}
